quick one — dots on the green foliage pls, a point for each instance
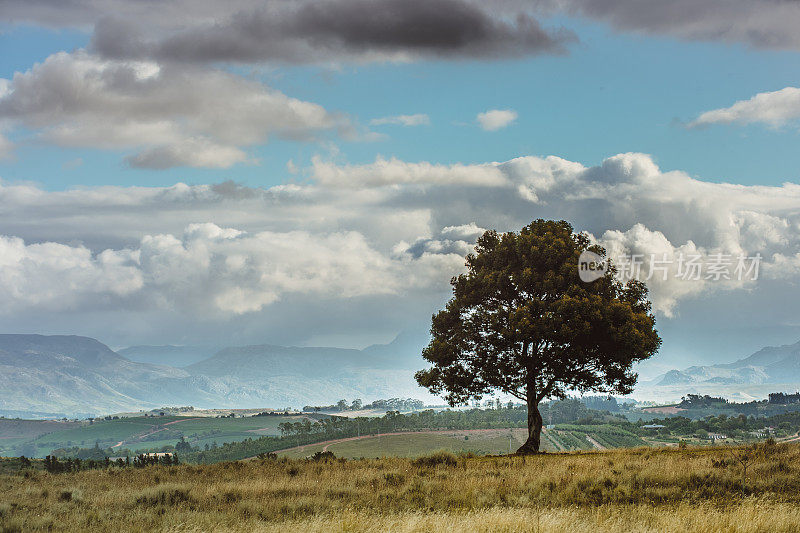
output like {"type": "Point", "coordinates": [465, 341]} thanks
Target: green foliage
{"type": "Point", "coordinates": [521, 321]}
{"type": "Point", "coordinates": [323, 456]}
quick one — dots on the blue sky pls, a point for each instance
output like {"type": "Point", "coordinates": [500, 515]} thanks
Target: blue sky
{"type": "Point", "coordinates": [612, 93]}
{"type": "Point", "coordinates": [97, 132]}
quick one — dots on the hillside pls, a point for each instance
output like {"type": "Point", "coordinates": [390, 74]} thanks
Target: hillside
{"type": "Point", "coordinates": [79, 376]}
{"type": "Point", "coordinates": [177, 356]}
{"type": "Point", "coordinates": [769, 369]}
{"type": "Point", "coordinates": [282, 375]}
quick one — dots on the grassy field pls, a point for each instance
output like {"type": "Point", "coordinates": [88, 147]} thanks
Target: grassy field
{"type": "Point", "coordinates": [39, 437]}
{"type": "Point", "coordinates": [694, 489]}
{"type": "Point", "coordinates": [478, 442]}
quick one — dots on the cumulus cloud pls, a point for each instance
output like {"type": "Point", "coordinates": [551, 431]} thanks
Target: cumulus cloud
{"type": "Point", "coordinates": [173, 116]}
{"type": "Point", "coordinates": [387, 231]}
{"type": "Point", "coordinates": [418, 119]}
{"type": "Point", "coordinates": [206, 270]}
{"type": "Point", "coordinates": [54, 276]}
{"type": "Point", "coordinates": [496, 119]}
{"type": "Point", "coordinates": [394, 172]}
{"type": "Point", "coordinates": [771, 108]}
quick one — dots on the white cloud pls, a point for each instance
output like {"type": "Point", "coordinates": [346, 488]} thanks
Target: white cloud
{"type": "Point", "coordinates": [53, 276]}
{"type": "Point", "coordinates": [394, 172]}
{"type": "Point", "coordinates": [418, 119]}
{"type": "Point", "coordinates": [385, 231]}
{"type": "Point", "coordinates": [172, 115]}
{"type": "Point", "coordinates": [772, 108]}
{"type": "Point", "coordinates": [496, 119]}
{"type": "Point", "coordinates": [206, 270]}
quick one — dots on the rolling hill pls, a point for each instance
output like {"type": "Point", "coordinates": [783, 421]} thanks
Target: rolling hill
{"type": "Point", "coordinates": [769, 369]}
{"type": "Point", "coordinates": [177, 356]}
{"type": "Point", "coordinates": [79, 376]}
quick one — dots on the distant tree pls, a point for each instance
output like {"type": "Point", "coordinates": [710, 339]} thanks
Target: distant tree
{"type": "Point", "coordinates": [183, 446]}
{"type": "Point", "coordinates": [522, 322]}
{"type": "Point", "coordinates": [341, 405]}
{"type": "Point", "coordinates": [356, 405]}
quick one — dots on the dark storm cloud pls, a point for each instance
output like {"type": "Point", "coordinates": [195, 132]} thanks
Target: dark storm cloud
{"type": "Point", "coordinates": [349, 30]}
{"type": "Point", "coordinates": [757, 23]}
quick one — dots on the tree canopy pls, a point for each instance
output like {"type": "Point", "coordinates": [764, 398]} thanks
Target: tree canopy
{"type": "Point", "coordinates": [522, 322]}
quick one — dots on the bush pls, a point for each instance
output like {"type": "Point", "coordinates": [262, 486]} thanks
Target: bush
{"type": "Point", "coordinates": [435, 459]}
{"type": "Point", "coordinates": [323, 456]}
{"type": "Point", "coordinates": [72, 495]}
{"type": "Point", "coordinates": [164, 495]}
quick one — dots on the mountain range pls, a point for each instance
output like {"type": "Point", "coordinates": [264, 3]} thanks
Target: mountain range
{"type": "Point", "coordinates": [769, 369]}
{"type": "Point", "coordinates": [80, 376]}
{"type": "Point", "coordinates": [43, 376]}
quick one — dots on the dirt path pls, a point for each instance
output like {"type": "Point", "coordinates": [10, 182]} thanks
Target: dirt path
{"type": "Point", "coordinates": [160, 428]}
{"type": "Point", "coordinates": [595, 443]}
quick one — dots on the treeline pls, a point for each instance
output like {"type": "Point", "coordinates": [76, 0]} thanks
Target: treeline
{"type": "Point", "coordinates": [54, 465]}
{"type": "Point", "coordinates": [701, 406]}
{"type": "Point", "coordinates": [392, 404]}
{"type": "Point", "coordinates": [736, 426]}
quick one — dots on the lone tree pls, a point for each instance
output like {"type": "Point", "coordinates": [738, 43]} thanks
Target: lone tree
{"type": "Point", "coordinates": [522, 322]}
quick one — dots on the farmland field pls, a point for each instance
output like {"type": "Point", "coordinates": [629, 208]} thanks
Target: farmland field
{"type": "Point", "coordinates": [39, 438]}
{"type": "Point", "coordinates": [414, 444]}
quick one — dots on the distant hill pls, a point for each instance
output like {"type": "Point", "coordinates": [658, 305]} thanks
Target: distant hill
{"type": "Point", "coordinates": [177, 356]}
{"type": "Point", "coordinates": [80, 376]}
{"type": "Point", "coordinates": [769, 369]}
{"type": "Point", "coordinates": [313, 375]}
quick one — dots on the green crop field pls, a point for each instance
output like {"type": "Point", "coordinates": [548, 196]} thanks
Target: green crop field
{"type": "Point", "coordinates": [38, 438]}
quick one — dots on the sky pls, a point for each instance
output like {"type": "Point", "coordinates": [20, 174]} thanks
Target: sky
{"type": "Point", "coordinates": [314, 172]}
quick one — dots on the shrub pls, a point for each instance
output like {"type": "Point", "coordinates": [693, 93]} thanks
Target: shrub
{"type": "Point", "coordinates": [323, 456]}
{"type": "Point", "coordinates": [164, 495]}
{"type": "Point", "coordinates": [435, 459]}
{"type": "Point", "coordinates": [71, 495]}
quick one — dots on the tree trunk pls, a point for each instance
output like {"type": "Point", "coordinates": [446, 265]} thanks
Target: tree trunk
{"type": "Point", "coordinates": [534, 429]}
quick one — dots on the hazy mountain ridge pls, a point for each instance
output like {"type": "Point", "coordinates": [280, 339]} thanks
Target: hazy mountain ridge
{"type": "Point", "coordinates": [170, 355]}
{"type": "Point", "coordinates": [80, 375]}
{"type": "Point", "coordinates": [773, 364]}
{"type": "Point", "coordinates": [770, 369]}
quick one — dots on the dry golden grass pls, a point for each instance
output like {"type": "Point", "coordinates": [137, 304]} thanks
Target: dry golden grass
{"type": "Point", "coordinates": [620, 490]}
